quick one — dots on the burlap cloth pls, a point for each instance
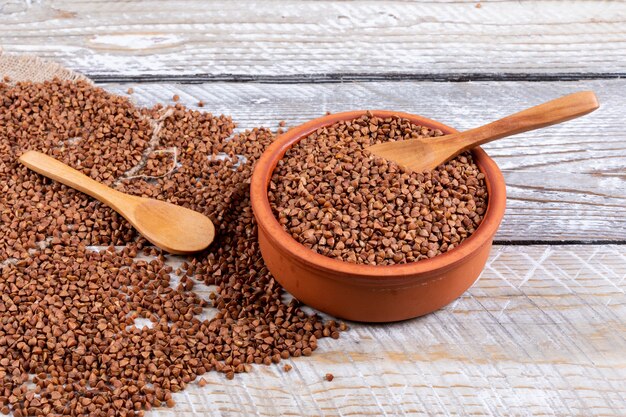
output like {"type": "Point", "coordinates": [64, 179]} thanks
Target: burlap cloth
{"type": "Point", "coordinates": [30, 68]}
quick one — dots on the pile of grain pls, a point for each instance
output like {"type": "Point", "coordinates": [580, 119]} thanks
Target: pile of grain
{"type": "Point", "coordinates": [68, 340]}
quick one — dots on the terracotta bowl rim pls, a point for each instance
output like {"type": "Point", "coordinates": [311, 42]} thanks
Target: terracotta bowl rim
{"type": "Point", "coordinates": [286, 244]}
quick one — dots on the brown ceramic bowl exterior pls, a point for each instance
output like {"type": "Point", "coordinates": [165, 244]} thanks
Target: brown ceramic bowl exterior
{"type": "Point", "coordinates": [371, 293]}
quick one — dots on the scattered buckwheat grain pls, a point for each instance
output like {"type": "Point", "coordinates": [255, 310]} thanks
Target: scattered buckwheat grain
{"type": "Point", "coordinates": [67, 310]}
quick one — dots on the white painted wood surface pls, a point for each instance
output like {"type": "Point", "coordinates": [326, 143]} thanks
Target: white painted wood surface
{"type": "Point", "coordinates": [542, 333]}
{"type": "Point", "coordinates": [317, 37]}
{"type": "Point", "coordinates": [566, 182]}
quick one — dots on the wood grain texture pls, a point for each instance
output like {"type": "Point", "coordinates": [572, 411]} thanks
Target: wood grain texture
{"type": "Point", "coordinates": [319, 37]}
{"type": "Point", "coordinates": [565, 182]}
{"type": "Point", "coordinates": [542, 333]}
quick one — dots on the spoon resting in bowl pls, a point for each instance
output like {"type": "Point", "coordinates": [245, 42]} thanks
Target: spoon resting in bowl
{"type": "Point", "coordinates": [424, 154]}
{"type": "Point", "coordinates": [172, 228]}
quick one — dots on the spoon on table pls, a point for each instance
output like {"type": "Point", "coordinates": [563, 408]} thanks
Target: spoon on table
{"type": "Point", "coordinates": [172, 228]}
{"type": "Point", "coordinates": [424, 154]}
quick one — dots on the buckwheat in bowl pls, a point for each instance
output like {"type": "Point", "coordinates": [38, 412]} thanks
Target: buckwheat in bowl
{"type": "Point", "coordinates": [358, 237]}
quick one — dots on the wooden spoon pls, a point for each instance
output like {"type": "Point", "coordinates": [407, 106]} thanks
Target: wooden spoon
{"type": "Point", "coordinates": [424, 154]}
{"type": "Point", "coordinates": [170, 227]}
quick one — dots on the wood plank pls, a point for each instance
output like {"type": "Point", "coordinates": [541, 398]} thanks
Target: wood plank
{"type": "Point", "coordinates": [542, 333]}
{"type": "Point", "coordinates": [318, 37]}
{"type": "Point", "coordinates": [566, 182]}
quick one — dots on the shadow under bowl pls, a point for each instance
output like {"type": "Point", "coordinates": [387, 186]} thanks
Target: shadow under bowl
{"type": "Point", "coordinates": [371, 293]}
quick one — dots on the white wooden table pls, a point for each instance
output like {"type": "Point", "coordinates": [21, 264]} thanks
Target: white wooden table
{"type": "Point", "coordinates": [543, 332]}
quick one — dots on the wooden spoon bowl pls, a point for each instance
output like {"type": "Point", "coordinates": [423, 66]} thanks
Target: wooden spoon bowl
{"type": "Point", "coordinates": [372, 293]}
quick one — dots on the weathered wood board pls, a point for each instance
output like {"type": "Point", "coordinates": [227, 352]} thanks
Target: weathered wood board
{"type": "Point", "coordinates": [542, 333]}
{"type": "Point", "coordinates": [566, 182]}
{"type": "Point", "coordinates": [319, 37]}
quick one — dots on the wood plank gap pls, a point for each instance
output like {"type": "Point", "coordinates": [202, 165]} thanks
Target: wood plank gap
{"type": "Point", "coordinates": [593, 242]}
{"type": "Point", "coordinates": [330, 78]}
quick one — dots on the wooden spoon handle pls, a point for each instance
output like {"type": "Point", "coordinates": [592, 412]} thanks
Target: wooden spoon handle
{"type": "Point", "coordinates": [58, 171]}
{"type": "Point", "coordinates": [546, 114]}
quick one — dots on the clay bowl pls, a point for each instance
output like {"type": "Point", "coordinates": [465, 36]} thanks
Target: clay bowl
{"type": "Point", "coordinates": [371, 293]}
